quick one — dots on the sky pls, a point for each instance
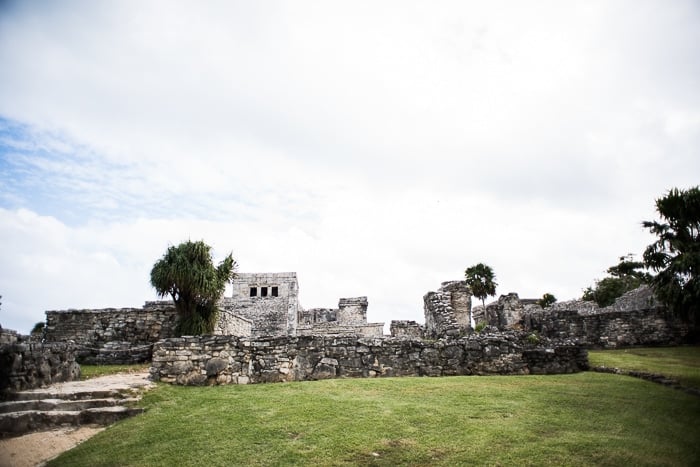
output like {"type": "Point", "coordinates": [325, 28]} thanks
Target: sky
{"type": "Point", "coordinates": [376, 148]}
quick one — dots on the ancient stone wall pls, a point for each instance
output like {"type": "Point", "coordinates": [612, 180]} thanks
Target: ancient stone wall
{"type": "Point", "coordinates": [231, 324]}
{"type": "Point", "coordinates": [507, 311]}
{"type": "Point", "coordinates": [652, 326]}
{"type": "Point", "coordinates": [335, 329]}
{"type": "Point", "coordinates": [636, 318]}
{"type": "Point", "coordinates": [25, 364]}
{"type": "Point", "coordinates": [448, 310]}
{"type": "Point", "coordinates": [8, 336]}
{"type": "Point", "coordinates": [233, 360]}
{"type": "Point", "coordinates": [405, 328]}
{"type": "Point", "coordinates": [317, 315]}
{"type": "Point", "coordinates": [123, 335]}
{"type": "Point", "coordinates": [267, 315]}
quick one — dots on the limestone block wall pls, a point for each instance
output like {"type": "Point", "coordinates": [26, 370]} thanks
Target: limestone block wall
{"type": "Point", "coordinates": [317, 315]}
{"type": "Point", "coordinates": [8, 336]}
{"type": "Point", "coordinates": [447, 311]}
{"type": "Point", "coordinates": [267, 315]}
{"type": "Point", "coordinates": [230, 323]}
{"type": "Point", "coordinates": [123, 335]}
{"type": "Point", "coordinates": [610, 329]}
{"type": "Point", "coordinates": [233, 360]}
{"type": "Point", "coordinates": [334, 328]}
{"type": "Point", "coordinates": [405, 328]}
{"type": "Point", "coordinates": [507, 311]}
{"type": "Point", "coordinates": [27, 365]}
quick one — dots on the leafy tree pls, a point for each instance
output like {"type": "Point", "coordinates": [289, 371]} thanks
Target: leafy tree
{"type": "Point", "coordinates": [624, 276]}
{"type": "Point", "coordinates": [186, 273]}
{"type": "Point", "coordinates": [547, 300]}
{"type": "Point", "coordinates": [481, 279]}
{"type": "Point", "coordinates": [38, 328]}
{"type": "Point", "coordinates": [675, 255]}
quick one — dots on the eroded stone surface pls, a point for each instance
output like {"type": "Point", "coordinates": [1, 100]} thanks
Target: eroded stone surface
{"type": "Point", "coordinates": [278, 359]}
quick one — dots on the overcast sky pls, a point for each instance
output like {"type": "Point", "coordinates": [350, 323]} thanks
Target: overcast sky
{"type": "Point", "coordinates": [376, 148]}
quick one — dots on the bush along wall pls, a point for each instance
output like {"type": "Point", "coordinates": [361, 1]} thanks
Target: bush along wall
{"type": "Point", "coordinates": [204, 360]}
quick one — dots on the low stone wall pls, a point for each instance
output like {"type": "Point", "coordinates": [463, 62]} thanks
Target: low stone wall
{"type": "Point", "coordinates": [335, 329]}
{"type": "Point", "coordinates": [652, 326]}
{"type": "Point", "coordinates": [26, 365]}
{"type": "Point", "coordinates": [115, 336]}
{"type": "Point", "coordinates": [232, 360]}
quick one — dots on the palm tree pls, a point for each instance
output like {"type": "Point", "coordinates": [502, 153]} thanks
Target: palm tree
{"type": "Point", "coordinates": [676, 253]}
{"type": "Point", "coordinates": [186, 273]}
{"type": "Point", "coordinates": [481, 279]}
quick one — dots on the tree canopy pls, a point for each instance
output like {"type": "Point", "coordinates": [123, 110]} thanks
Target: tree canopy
{"type": "Point", "coordinates": [675, 255]}
{"type": "Point", "coordinates": [625, 276]}
{"type": "Point", "coordinates": [547, 300]}
{"type": "Point", "coordinates": [186, 272]}
{"type": "Point", "coordinates": [482, 281]}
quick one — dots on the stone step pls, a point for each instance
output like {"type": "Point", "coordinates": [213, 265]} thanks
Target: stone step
{"type": "Point", "coordinates": [18, 423]}
{"type": "Point", "coordinates": [61, 404]}
{"type": "Point", "coordinates": [38, 394]}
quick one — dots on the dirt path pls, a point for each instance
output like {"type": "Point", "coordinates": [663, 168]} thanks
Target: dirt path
{"type": "Point", "coordinates": [35, 449]}
{"type": "Point", "coordinates": [38, 448]}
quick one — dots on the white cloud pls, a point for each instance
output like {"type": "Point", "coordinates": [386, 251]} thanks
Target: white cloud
{"type": "Point", "coordinates": [375, 148]}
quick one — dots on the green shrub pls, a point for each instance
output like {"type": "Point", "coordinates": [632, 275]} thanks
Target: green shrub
{"type": "Point", "coordinates": [533, 338]}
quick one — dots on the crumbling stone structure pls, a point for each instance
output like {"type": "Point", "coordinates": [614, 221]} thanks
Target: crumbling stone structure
{"type": "Point", "coordinates": [448, 311]}
{"type": "Point", "coordinates": [350, 318]}
{"type": "Point", "coordinates": [123, 335]}
{"type": "Point", "coordinates": [506, 312]}
{"type": "Point", "coordinates": [232, 360]}
{"type": "Point", "coordinates": [405, 328]}
{"type": "Point", "coordinates": [25, 364]}
{"type": "Point", "coordinates": [262, 304]}
{"type": "Point", "coordinates": [270, 301]}
{"type": "Point", "coordinates": [636, 318]}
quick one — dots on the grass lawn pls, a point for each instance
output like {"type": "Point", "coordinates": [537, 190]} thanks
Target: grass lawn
{"type": "Point", "coordinates": [581, 419]}
{"type": "Point", "coordinates": [682, 363]}
{"type": "Point", "coordinates": [93, 371]}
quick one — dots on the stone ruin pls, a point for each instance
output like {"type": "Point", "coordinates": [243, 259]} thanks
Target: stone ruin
{"type": "Point", "coordinates": [265, 335]}
{"type": "Point", "coordinates": [26, 363]}
{"type": "Point", "coordinates": [270, 303]}
{"type": "Point", "coordinates": [261, 304]}
{"type": "Point", "coordinates": [448, 311]}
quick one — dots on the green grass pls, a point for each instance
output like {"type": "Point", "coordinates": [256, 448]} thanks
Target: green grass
{"type": "Point", "coordinates": [93, 371]}
{"type": "Point", "coordinates": [681, 363]}
{"type": "Point", "coordinates": [580, 419]}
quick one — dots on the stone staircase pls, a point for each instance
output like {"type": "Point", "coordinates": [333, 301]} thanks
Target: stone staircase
{"type": "Point", "coordinates": [100, 401]}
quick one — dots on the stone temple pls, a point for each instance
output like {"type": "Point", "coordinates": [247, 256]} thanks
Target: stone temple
{"type": "Point", "coordinates": [267, 304]}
